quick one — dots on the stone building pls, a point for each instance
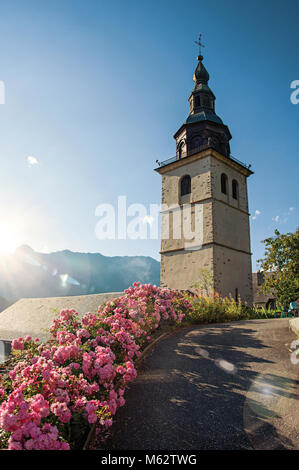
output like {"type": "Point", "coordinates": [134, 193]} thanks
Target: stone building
{"type": "Point", "coordinates": [204, 184]}
{"type": "Point", "coordinates": [259, 298]}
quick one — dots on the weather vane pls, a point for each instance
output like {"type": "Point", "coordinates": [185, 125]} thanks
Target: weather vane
{"type": "Point", "coordinates": [199, 43]}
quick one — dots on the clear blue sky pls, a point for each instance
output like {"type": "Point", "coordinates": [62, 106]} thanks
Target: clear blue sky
{"type": "Point", "coordinates": [95, 91]}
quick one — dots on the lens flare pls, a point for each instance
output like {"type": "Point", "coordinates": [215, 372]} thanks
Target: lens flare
{"type": "Point", "coordinates": [268, 400]}
{"type": "Point", "coordinates": [8, 241]}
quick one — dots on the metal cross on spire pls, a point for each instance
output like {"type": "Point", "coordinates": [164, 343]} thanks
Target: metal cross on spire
{"type": "Point", "coordinates": [199, 43]}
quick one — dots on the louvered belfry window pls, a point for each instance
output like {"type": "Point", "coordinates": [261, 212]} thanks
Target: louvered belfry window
{"type": "Point", "coordinates": [224, 183]}
{"type": "Point", "coordinates": [185, 185]}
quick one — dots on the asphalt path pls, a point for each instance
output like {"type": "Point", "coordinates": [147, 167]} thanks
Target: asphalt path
{"type": "Point", "coordinates": [220, 386]}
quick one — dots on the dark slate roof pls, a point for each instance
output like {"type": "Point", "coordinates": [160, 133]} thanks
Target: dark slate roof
{"type": "Point", "coordinates": [205, 115]}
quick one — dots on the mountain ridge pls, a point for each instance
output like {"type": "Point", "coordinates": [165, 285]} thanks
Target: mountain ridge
{"type": "Point", "coordinates": [28, 273]}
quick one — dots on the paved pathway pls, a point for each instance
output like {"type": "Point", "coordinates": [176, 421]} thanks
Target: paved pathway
{"type": "Point", "coordinates": [228, 386]}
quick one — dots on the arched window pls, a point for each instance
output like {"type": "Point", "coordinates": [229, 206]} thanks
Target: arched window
{"type": "Point", "coordinates": [224, 183]}
{"type": "Point", "coordinates": [185, 185]}
{"type": "Point", "coordinates": [180, 150]}
{"type": "Point", "coordinates": [235, 189]}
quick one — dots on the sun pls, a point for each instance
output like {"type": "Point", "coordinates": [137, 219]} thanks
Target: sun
{"type": "Point", "coordinates": [8, 239]}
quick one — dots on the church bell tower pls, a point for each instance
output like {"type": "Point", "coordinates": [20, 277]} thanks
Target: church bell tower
{"type": "Point", "coordinates": [204, 184]}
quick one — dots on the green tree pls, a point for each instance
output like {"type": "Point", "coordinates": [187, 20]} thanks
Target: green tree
{"type": "Point", "coordinates": [281, 261]}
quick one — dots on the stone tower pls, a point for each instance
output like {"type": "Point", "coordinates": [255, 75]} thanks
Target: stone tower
{"type": "Point", "coordinates": [206, 187]}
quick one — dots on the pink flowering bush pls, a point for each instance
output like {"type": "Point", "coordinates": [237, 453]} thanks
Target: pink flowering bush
{"type": "Point", "coordinates": [55, 391]}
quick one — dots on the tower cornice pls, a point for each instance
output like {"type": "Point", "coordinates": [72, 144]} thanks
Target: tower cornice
{"type": "Point", "coordinates": [203, 154]}
{"type": "Point", "coordinates": [205, 122]}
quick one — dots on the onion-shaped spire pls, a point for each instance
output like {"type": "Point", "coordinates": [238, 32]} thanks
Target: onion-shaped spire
{"type": "Point", "coordinates": [201, 75]}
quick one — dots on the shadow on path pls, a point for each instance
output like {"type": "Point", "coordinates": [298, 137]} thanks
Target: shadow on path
{"type": "Point", "coordinates": [209, 387]}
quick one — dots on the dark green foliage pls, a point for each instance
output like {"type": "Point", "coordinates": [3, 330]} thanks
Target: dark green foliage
{"type": "Point", "coordinates": [282, 260]}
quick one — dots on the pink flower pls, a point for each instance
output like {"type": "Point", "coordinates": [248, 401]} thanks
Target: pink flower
{"type": "Point", "coordinates": [13, 445]}
{"type": "Point", "coordinates": [39, 405]}
{"type": "Point", "coordinates": [84, 368]}
{"type": "Point", "coordinates": [17, 344]}
{"type": "Point", "coordinates": [61, 411]}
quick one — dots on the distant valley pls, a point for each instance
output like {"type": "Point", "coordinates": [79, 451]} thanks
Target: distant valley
{"type": "Point", "coordinates": [28, 273]}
